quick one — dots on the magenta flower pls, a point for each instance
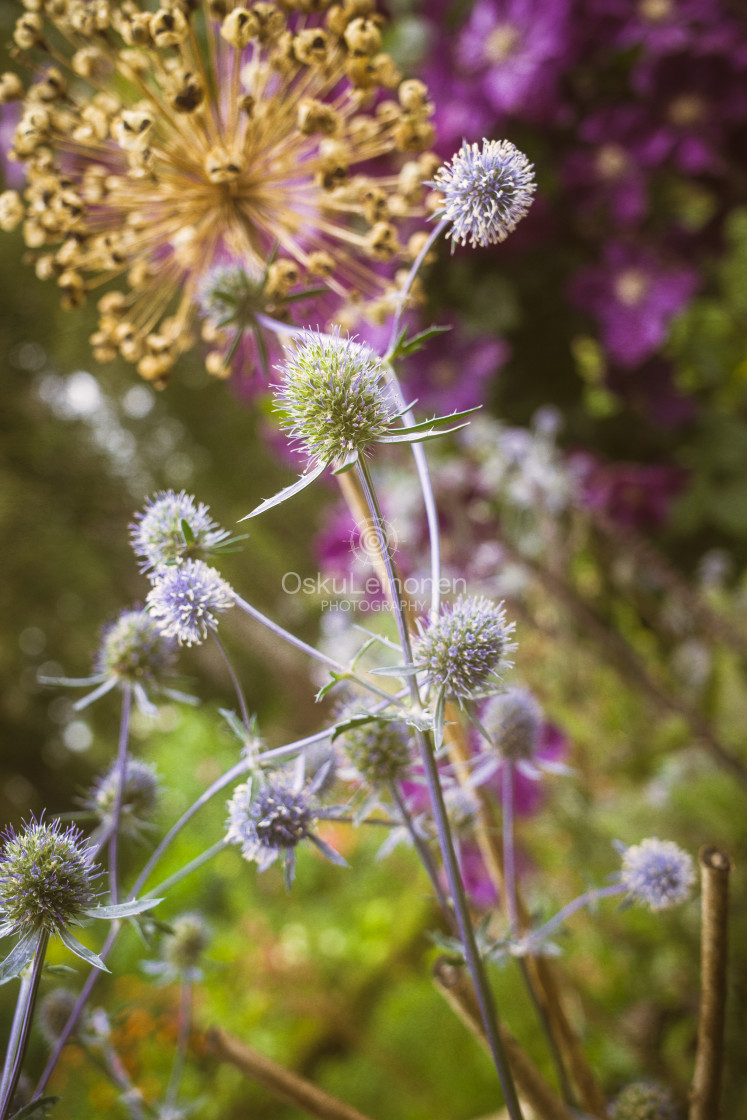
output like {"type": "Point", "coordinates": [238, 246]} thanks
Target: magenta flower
{"type": "Point", "coordinates": [516, 50]}
{"type": "Point", "coordinates": [633, 296]}
{"type": "Point", "coordinates": [638, 495]}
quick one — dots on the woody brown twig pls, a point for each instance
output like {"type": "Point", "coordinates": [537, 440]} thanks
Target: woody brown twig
{"type": "Point", "coordinates": [453, 984]}
{"type": "Point", "coordinates": [281, 1082]}
{"type": "Point", "coordinates": [705, 1091]}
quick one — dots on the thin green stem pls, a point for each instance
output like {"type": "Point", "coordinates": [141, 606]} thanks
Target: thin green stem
{"type": "Point", "coordinates": [124, 734]}
{"type": "Point", "coordinates": [29, 1002]}
{"type": "Point", "coordinates": [234, 681]}
{"type": "Point", "coordinates": [183, 872]}
{"type": "Point", "coordinates": [424, 853]}
{"type": "Point", "coordinates": [182, 1042]}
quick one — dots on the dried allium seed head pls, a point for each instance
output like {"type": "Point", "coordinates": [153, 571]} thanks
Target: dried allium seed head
{"type": "Point", "coordinates": [175, 178]}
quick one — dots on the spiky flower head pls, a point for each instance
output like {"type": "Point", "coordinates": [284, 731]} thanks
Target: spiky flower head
{"type": "Point", "coordinates": [513, 721]}
{"type": "Point", "coordinates": [138, 801]}
{"type": "Point", "coordinates": [172, 527]}
{"type": "Point", "coordinates": [54, 1012]}
{"type": "Point", "coordinates": [186, 599]}
{"type": "Point", "coordinates": [134, 650]}
{"type": "Point", "coordinates": [161, 143]}
{"type": "Point", "coordinates": [644, 1100]}
{"type": "Point", "coordinates": [657, 873]}
{"type": "Point", "coordinates": [270, 821]}
{"type": "Point", "coordinates": [486, 192]}
{"type": "Point", "coordinates": [46, 878]}
{"type": "Point", "coordinates": [184, 945]}
{"type": "Point", "coordinates": [466, 648]}
{"type": "Point", "coordinates": [380, 750]}
{"type": "Point", "coordinates": [333, 397]}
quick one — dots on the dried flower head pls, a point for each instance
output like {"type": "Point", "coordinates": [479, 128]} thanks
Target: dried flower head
{"type": "Point", "coordinates": [161, 143]}
{"type": "Point", "coordinates": [657, 873]}
{"type": "Point", "coordinates": [464, 651]}
{"type": "Point", "coordinates": [513, 721]}
{"type": "Point", "coordinates": [54, 1012]}
{"type": "Point", "coordinates": [134, 651]}
{"type": "Point", "coordinates": [333, 397]}
{"type": "Point", "coordinates": [172, 527]}
{"type": "Point", "coordinates": [269, 822]}
{"type": "Point", "coordinates": [486, 192]}
{"type": "Point", "coordinates": [644, 1100]}
{"type": "Point", "coordinates": [186, 599]}
{"type": "Point", "coordinates": [139, 797]}
{"type": "Point", "coordinates": [379, 750]}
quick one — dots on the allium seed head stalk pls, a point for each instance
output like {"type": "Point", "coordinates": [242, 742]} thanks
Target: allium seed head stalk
{"type": "Point", "coordinates": [161, 144]}
{"type": "Point", "coordinates": [486, 192]}
{"type": "Point", "coordinates": [657, 873]}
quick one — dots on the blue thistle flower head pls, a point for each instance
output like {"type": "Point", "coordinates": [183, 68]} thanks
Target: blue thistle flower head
{"type": "Point", "coordinates": [270, 822]}
{"type": "Point", "coordinates": [513, 721]}
{"type": "Point", "coordinates": [134, 650]}
{"type": "Point", "coordinates": [379, 750]}
{"type": "Point", "coordinates": [465, 650]}
{"type": "Point", "coordinates": [333, 397]}
{"type": "Point", "coordinates": [54, 1012]}
{"type": "Point", "coordinates": [186, 599]}
{"type": "Point", "coordinates": [644, 1100]}
{"type": "Point", "coordinates": [171, 527]}
{"type": "Point", "coordinates": [486, 192]}
{"type": "Point", "coordinates": [138, 801]}
{"type": "Point", "coordinates": [47, 878]}
{"type": "Point", "coordinates": [657, 873]}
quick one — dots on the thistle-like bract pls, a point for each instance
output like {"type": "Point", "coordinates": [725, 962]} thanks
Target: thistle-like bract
{"type": "Point", "coordinates": [158, 533]}
{"type": "Point", "coordinates": [466, 648]}
{"type": "Point", "coordinates": [333, 397]}
{"type": "Point", "coordinates": [160, 144]}
{"type": "Point", "coordinates": [657, 873]}
{"type": "Point", "coordinates": [486, 192]}
{"type": "Point", "coordinates": [644, 1100]}
{"type": "Point", "coordinates": [186, 599]}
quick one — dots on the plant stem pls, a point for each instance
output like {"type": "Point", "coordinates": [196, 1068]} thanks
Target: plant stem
{"type": "Point", "coordinates": [124, 734]}
{"type": "Point", "coordinates": [421, 847]}
{"type": "Point", "coordinates": [234, 681]}
{"type": "Point", "coordinates": [182, 1042]}
{"type": "Point", "coordinates": [28, 995]}
{"type": "Point", "coordinates": [456, 887]}
{"type": "Point", "coordinates": [705, 1092]}
{"type": "Point", "coordinates": [509, 854]}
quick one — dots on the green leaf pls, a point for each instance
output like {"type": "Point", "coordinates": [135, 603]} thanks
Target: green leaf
{"type": "Point", "coordinates": [189, 537]}
{"type": "Point", "coordinates": [19, 956]}
{"type": "Point", "coordinates": [289, 491]}
{"type": "Point", "coordinates": [81, 951]}
{"type": "Point", "coordinates": [123, 909]}
{"type": "Point", "coordinates": [36, 1110]}
{"type": "Point", "coordinates": [405, 346]}
{"type": "Point", "coordinates": [419, 437]}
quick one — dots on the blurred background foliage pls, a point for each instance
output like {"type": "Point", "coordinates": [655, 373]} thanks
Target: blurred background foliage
{"type": "Point", "coordinates": [637, 656]}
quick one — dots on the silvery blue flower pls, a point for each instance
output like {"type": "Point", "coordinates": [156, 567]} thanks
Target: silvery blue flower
{"type": "Point", "coordinates": [186, 599]}
{"type": "Point", "coordinates": [173, 527]}
{"type": "Point", "coordinates": [486, 191]}
{"type": "Point", "coordinates": [138, 801]}
{"type": "Point", "coordinates": [644, 1100]}
{"type": "Point", "coordinates": [269, 818]}
{"type": "Point", "coordinates": [466, 648]}
{"type": "Point", "coordinates": [657, 873]}
{"type": "Point", "coordinates": [47, 884]}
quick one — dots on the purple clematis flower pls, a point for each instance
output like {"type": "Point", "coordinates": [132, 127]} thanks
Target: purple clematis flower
{"type": "Point", "coordinates": [634, 296]}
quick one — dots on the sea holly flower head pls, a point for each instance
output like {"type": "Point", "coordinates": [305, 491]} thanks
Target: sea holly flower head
{"type": "Point", "coordinates": [486, 192]}
{"type": "Point", "coordinates": [464, 651]}
{"type": "Point", "coordinates": [182, 949]}
{"type": "Point", "coordinates": [162, 144]}
{"type": "Point", "coordinates": [333, 397]}
{"type": "Point", "coordinates": [54, 1012]}
{"type": "Point", "coordinates": [173, 527]}
{"type": "Point", "coordinates": [185, 600]}
{"type": "Point", "coordinates": [138, 800]}
{"type": "Point", "coordinates": [513, 722]}
{"type": "Point", "coordinates": [269, 820]}
{"type": "Point", "coordinates": [644, 1100]}
{"type": "Point", "coordinates": [47, 884]}
{"type": "Point", "coordinates": [657, 873]}
{"type": "Point", "coordinates": [378, 748]}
